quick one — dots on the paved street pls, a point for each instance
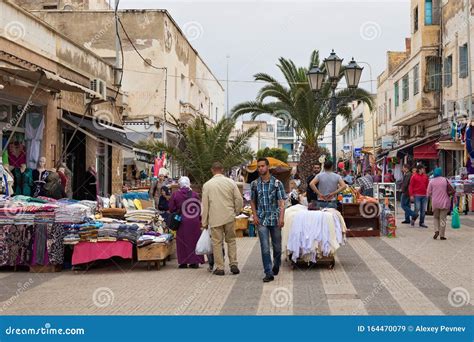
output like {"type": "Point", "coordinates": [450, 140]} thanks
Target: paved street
{"type": "Point", "coordinates": [412, 274]}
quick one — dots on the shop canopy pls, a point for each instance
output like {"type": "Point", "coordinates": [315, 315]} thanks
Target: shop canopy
{"type": "Point", "coordinates": [426, 151]}
{"type": "Point", "coordinates": [402, 150]}
{"type": "Point", "coordinates": [109, 133]}
{"type": "Point", "coordinates": [449, 145]}
{"type": "Point", "coordinates": [45, 78]}
{"type": "Point", "coordinates": [275, 164]}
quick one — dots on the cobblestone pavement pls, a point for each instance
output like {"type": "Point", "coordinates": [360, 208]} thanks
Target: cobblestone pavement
{"type": "Point", "coordinates": [411, 274]}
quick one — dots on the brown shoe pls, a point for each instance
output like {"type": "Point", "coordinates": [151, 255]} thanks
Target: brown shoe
{"type": "Point", "coordinates": [436, 235]}
{"type": "Point", "coordinates": [234, 269]}
{"type": "Point", "coordinates": [219, 272]}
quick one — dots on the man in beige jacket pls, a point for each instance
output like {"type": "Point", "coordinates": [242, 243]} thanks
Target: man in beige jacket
{"type": "Point", "coordinates": [221, 202]}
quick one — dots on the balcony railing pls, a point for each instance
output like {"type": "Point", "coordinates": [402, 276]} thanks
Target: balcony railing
{"type": "Point", "coordinates": [285, 134]}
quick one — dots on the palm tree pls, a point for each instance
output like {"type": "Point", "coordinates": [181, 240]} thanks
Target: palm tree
{"type": "Point", "coordinates": [295, 103]}
{"type": "Point", "coordinates": [201, 144]}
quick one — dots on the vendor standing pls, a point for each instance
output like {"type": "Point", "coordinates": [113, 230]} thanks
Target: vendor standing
{"type": "Point", "coordinates": [327, 185]}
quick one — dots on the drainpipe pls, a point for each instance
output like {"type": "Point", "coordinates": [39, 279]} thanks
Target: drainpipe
{"type": "Point", "coordinates": [469, 69]}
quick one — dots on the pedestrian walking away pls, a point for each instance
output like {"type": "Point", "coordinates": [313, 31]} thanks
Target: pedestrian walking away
{"type": "Point", "coordinates": [440, 201]}
{"type": "Point", "coordinates": [186, 202]}
{"type": "Point", "coordinates": [221, 202]}
{"type": "Point", "coordinates": [268, 206]}
{"type": "Point", "coordinates": [418, 190]}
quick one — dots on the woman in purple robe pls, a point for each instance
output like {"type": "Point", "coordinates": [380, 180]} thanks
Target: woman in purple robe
{"type": "Point", "coordinates": [189, 231]}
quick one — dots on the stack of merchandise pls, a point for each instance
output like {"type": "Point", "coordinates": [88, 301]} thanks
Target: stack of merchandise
{"type": "Point", "coordinates": [143, 216]}
{"type": "Point", "coordinates": [92, 205]}
{"type": "Point", "coordinates": [127, 232]}
{"type": "Point", "coordinates": [108, 232]}
{"type": "Point", "coordinates": [153, 237]}
{"type": "Point", "coordinates": [72, 213]}
{"type": "Point", "coordinates": [85, 232]}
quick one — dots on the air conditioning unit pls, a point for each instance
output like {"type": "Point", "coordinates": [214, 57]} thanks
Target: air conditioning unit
{"type": "Point", "coordinates": [419, 130]}
{"type": "Point", "coordinates": [404, 131]}
{"type": "Point", "coordinates": [100, 87]}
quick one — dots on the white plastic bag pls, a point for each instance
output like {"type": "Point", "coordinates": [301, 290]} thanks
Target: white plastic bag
{"type": "Point", "coordinates": [204, 244]}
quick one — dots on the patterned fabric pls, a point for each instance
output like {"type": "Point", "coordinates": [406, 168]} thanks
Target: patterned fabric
{"type": "Point", "coordinates": [267, 195]}
{"type": "Point", "coordinates": [15, 244]}
{"type": "Point", "coordinates": [55, 244]}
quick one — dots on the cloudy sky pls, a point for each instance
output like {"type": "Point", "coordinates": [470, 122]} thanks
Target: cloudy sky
{"type": "Point", "coordinates": [255, 33]}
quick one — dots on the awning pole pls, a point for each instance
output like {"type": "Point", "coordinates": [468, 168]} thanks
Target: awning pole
{"type": "Point", "coordinates": [23, 111]}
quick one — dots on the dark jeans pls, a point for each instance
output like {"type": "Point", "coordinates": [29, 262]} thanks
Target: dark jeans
{"type": "Point", "coordinates": [420, 207]}
{"type": "Point", "coordinates": [406, 206]}
{"type": "Point", "coordinates": [264, 234]}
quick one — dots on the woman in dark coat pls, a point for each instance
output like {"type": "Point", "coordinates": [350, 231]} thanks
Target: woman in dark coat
{"type": "Point", "coordinates": [187, 202]}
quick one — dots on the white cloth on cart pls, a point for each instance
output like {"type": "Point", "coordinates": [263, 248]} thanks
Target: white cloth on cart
{"type": "Point", "coordinates": [312, 232]}
{"type": "Point", "coordinates": [289, 216]}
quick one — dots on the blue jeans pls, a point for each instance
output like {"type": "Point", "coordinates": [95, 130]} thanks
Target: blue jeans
{"type": "Point", "coordinates": [420, 207]}
{"type": "Point", "coordinates": [406, 206]}
{"type": "Point", "coordinates": [324, 204]}
{"type": "Point", "coordinates": [264, 233]}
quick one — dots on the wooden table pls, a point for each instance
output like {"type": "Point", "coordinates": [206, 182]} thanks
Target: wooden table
{"type": "Point", "coordinates": [155, 253]}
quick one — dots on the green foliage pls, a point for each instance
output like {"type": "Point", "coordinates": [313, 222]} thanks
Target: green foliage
{"type": "Point", "coordinates": [201, 144]}
{"type": "Point", "coordinates": [277, 153]}
{"type": "Point", "coordinates": [295, 103]}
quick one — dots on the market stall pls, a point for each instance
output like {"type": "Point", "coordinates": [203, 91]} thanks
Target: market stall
{"type": "Point", "coordinates": [34, 232]}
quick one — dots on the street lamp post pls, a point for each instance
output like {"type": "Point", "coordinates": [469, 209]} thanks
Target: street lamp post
{"type": "Point", "coordinates": [333, 66]}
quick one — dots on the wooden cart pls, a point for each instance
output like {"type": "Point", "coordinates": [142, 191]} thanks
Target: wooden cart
{"type": "Point", "coordinates": [329, 262]}
{"type": "Point", "coordinates": [155, 253]}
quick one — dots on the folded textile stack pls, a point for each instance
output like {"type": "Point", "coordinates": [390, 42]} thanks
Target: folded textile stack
{"type": "Point", "coordinates": [72, 213]}
{"type": "Point", "coordinates": [129, 232]}
{"type": "Point", "coordinates": [136, 195]}
{"type": "Point", "coordinates": [147, 239]}
{"type": "Point", "coordinates": [88, 231]}
{"type": "Point", "coordinates": [71, 238]}
{"type": "Point", "coordinates": [92, 205]}
{"type": "Point", "coordinates": [144, 215]}
{"type": "Point", "coordinates": [108, 232]}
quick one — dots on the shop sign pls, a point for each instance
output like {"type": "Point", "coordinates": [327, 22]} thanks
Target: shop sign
{"type": "Point", "coordinates": [387, 142]}
{"type": "Point", "coordinates": [357, 152]}
{"type": "Point", "coordinates": [347, 148]}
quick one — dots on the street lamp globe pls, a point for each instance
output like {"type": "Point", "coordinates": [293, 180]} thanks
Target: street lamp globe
{"type": "Point", "coordinates": [316, 78]}
{"type": "Point", "coordinates": [352, 73]}
{"type": "Point", "coordinates": [333, 65]}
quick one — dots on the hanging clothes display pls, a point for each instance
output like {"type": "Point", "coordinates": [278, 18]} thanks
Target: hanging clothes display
{"type": "Point", "coordinates": [34, 127]}
{"type": "Point", "coordinates": [16, 154]}
{"type": "Point", "coordinates": [23, 181]}
{"type": "Point", "coordinates": [39, 179]}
